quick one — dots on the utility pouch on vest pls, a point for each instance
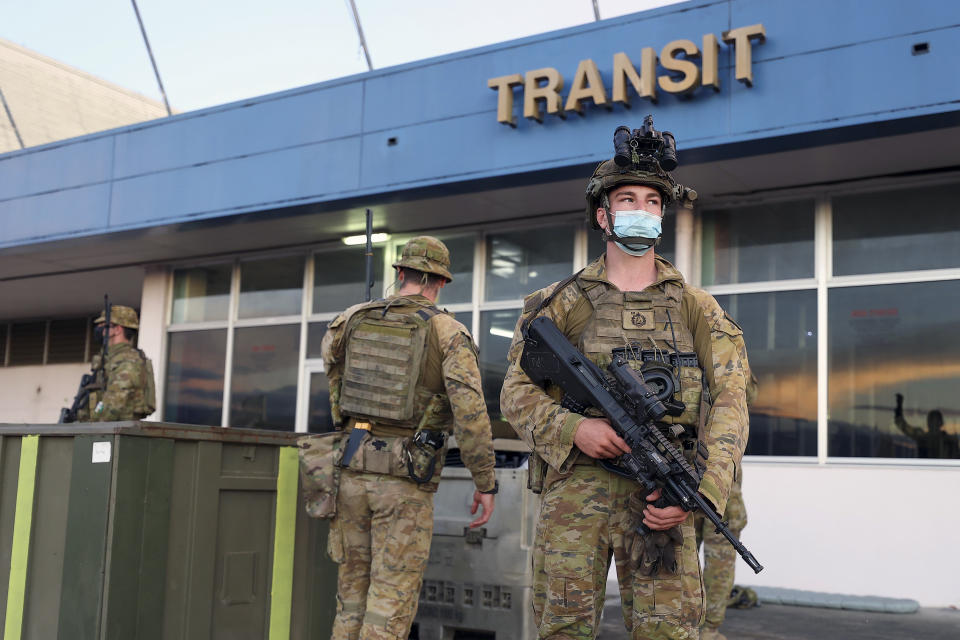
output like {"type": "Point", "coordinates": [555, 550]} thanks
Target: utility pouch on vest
{"type": "Point", "coordinates": [424, 449]}
{"type": "Point", "coordinates": [320, 472]}
{"type": "Point", "coordinates": [384, 455]}
{"type": "Point", "coordinates": [382, 365]}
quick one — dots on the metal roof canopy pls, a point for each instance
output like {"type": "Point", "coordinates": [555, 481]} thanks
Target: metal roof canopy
{"type": "Point", "coordinates": [298, 167]}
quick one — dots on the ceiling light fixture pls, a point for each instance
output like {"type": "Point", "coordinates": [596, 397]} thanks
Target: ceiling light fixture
{"type": "Point", "coordinates": [361, 239]}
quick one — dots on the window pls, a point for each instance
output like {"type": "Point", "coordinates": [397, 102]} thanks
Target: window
{"type": "Point", "coordinates": [901, 230]}
{"type": "Point", "coordinates": [194, 377]}
{"type": "Point", "coordinates": [320, 419]}
{"type": "Point", "coordinates": [27, 340]}
{"type": "Point", "coordinates": [59, 341]}
{"type": "Point", "coordinates": [895, 371]}
{"type": "Point", "coordinates": [67, 341]}
{"type": "Point", "coordinates": [201, 294]}
{"type": "Point", "coordinates": [889, 365]}
{"type": "Point", "coordinates": [779, 329]}
{"type": "Point", "coordinates": [461, 268]}
{"type": "Point", "coordinates": [271, 287]}
{"type": "Point", "coordinates": [338, 278]}
{"type": "Point", "coordinates": [520, 262]}
{"type": "Point", "coordinates": [315, 333]}
{"type": "Point", "coordinates": [264, 384]}
{"type": "Point", "coordinates": [496, 334]}
{"type": "Point", "coordinates": [758, 243]}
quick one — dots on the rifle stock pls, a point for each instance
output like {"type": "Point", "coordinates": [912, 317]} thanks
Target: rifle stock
{"type": "Point", "coordinates": [632, 408]}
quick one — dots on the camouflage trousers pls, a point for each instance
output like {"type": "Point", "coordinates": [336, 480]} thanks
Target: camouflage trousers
{"type": "Point", "coordinates": [584, 520]}
{"type": "Point", "coordinates": [381, 540]}
{"type": "Point", "coordinates": [719, 558]}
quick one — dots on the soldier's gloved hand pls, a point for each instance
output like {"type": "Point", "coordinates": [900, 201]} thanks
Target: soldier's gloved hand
{"type": "Point", "coordinates": [656, 553]}
{"type": "Point", "coordinates": [596, 438]}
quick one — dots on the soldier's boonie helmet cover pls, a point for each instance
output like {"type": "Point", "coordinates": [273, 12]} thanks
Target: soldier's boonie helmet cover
{"type": "Point", "coordinates": [120, 315]}
{"type": "Point", "coordinates": [426, 254]}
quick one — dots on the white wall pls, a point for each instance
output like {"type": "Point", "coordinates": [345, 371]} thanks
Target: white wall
{"type": "Point", "coordinates": [35, 394]}
{"type": "Point", "coordinates": [858, 529]}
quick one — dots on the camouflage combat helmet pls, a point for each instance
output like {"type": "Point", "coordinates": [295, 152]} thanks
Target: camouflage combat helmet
{"type": "Point", "coordinates": [426, 254]}
{"type": "Point", "coordinates": [644, 168]}
{"type": "Point", "coordinates": [609, 175]}
{"type": "Point", "coordinates": [120, 315]}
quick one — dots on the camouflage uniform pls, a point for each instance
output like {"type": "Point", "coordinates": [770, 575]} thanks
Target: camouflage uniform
{"type": "Point", "coordinates": [381, 533]}
{"type": "Point", "coordinates": [130, 391]}
{"type": "Point", "coordinates": [719, 557]}
{"type": "Point", "coordinates": [586, 512]}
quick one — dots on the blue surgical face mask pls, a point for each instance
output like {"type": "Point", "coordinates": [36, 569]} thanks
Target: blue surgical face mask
{"type": "Point", "coordinates": [628, 225]}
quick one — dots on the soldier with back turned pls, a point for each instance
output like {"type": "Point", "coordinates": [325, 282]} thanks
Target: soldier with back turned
{"type": "Point", "coordinates": [402, 375]}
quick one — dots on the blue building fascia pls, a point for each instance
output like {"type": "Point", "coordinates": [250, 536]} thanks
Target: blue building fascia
{"type": "Point", "coordinates": [828, 71]}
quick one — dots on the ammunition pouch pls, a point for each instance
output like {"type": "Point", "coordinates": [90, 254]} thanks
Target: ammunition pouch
{"type": "Point", "coordinates": [320, 471]}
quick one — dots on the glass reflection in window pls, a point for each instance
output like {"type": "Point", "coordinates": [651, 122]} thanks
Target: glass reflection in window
{"type": "Point", "coordinates": [895, 371]}
{"type": "Point", "coordinates": [319, 419]}
{"type": "Point", "coordinates": [461, 268]}
{"type": "Point", "coordinates": [315, 333]}
{"type": "Point", "coordinates": [338, 278]}
{"type": "Point", "coordinates": [520, 262]}
{"type": "Point", "coordinates": [496, 333]}
{"type": "Point", "coordinates": [779, 329]}
{"type": "Point", "coordinates": [201, 294]}
{"type": "Point", "coordinates": [753, 244]}
{"type": "Point", "coordinates": [901, 230]}
{"type": "Point", "coordinates": [193, 390]}
{"type": "Point", "coordinates": [264, 382]}
{"type": "Point", "coordinates": [271, 287]}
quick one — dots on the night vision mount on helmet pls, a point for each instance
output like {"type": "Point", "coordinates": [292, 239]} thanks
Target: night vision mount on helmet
{"type": "Point", "coordinates": [641, 156]}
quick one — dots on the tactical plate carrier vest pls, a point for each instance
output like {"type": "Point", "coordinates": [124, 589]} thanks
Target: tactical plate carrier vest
{"type": "Point", "coordinates": [385, 344]}
{"type": "Point", "coordinates": [643, 326]}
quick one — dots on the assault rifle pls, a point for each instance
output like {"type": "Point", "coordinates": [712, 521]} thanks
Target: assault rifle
{"type": "Point", "coordinates": [96, 379]}
{"type": "Point", "coordinates": [632, 404]}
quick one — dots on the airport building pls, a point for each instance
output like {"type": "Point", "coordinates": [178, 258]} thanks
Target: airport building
{"type": "Point", "coordinates": [822, 138]}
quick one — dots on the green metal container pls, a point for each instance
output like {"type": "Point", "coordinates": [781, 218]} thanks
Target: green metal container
{"type": "Point", "coordinates": [143, 530]}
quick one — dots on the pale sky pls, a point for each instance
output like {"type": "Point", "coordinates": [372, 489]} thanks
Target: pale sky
{"type": "Point", "coordinates": [214, 51]}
